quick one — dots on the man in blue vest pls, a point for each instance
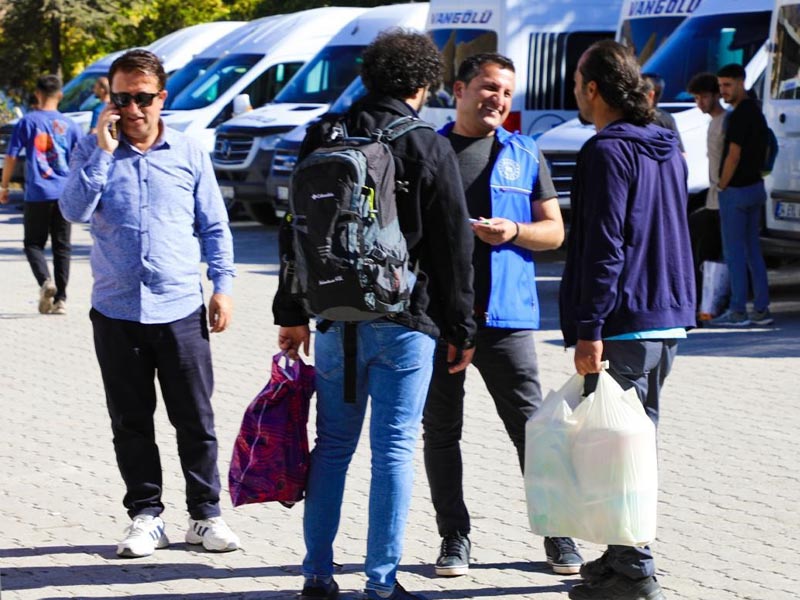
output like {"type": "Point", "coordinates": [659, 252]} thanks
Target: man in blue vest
{"type": "Point", "coordinates": [514, 210]}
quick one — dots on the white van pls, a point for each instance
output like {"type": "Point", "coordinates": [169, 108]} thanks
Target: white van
{"type": "Point", "coordinates": [201, 61]}
{"type": "Point", "coordinates": [715, 33]}
{"type": "Point", "coordinates": [782, 109]}
{"type": "Point", "coordinates": [544, 38]}
{"type": "Point", "coordinates": [175, 50]}
{"type": "Point", "coordinates": [259, 65]}
{"type": "Point", "coordinates": [244, 145]}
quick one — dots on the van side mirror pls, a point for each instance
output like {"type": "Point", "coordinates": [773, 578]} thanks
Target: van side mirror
{"type": "Point", "coordinates": [241, 104]}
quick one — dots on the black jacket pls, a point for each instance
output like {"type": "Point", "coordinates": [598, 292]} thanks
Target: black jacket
{"type": "Point", "coordinates": [433, 217]}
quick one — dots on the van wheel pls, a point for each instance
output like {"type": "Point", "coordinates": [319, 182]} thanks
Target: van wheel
{"type": "Point", "coordinates": [263, 212]}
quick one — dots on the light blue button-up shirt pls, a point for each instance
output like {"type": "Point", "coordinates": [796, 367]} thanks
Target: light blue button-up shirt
{"type": "Point", "coordinates": [151, 215]}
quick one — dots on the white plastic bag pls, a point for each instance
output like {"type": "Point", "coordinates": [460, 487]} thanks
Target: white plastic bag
{"type": "Point", "coordinates": [716, 289]}
{"type": "Point", "coordinates": [614, 456]}
{"type": "Point", "coordinates": [591, 472]}
{"type": "Point", "coordinates": [550, 483]}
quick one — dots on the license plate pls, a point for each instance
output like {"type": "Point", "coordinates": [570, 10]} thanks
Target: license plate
{"type": "Point", "coordinates": [227, 192]}
{"type": "Point", "coordinates": [787, 211]}
{"type": "Point", "coordinates": [283, 192]}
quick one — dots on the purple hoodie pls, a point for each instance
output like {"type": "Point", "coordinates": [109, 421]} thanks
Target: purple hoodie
{"type": "Point", "coordinates": [629, 260]}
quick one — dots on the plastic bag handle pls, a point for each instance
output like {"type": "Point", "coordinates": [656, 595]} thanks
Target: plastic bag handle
{"type": "Point", "coordinates": [604, 365]}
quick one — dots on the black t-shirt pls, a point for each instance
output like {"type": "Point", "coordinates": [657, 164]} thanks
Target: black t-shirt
{"type": "Point", "coordinates": [476, 158]}
{"type": "Point", "coordinates": [747, 128]}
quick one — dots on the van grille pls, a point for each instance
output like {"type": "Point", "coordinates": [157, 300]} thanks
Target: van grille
{"type": "Point", "coordinates": [562, 170]}
{"type": "Point", "coordinates": [232, 149]}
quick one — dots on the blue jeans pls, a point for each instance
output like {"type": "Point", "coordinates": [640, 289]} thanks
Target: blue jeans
{"type": "Point", "coordinates": [394, 366]}
{"type": "Point", "coordinates": [740, 212]}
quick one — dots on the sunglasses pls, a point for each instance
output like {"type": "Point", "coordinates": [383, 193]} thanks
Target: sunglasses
{"type": "Point", "coordinates": [142, 99]}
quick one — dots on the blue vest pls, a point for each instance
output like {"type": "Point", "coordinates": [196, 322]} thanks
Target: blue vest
{"type": "Point", "coordinates": [513, 301]}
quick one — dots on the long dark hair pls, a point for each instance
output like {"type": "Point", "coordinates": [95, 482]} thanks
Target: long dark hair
{"type": "Point", "coordinates": [614, 69]}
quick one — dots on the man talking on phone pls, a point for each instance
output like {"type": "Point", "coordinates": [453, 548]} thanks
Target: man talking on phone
{"type": "Point", "coordinates": [514, 210]}
{"type": "Point", "coordinates": [154, 206]}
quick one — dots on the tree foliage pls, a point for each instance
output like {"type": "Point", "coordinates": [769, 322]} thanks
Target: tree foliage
{"type": "Point", "coordinates": [64, 36]}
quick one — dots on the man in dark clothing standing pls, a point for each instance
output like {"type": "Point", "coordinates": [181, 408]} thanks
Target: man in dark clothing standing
{"type": "Point", "coordinates": [395, 354]}
{"type": "Point", "coordinates": [742, 196]}
{"type": "Point", "coordinates": [511, 198]}
{"type": "Point", "coordinates": [627, 292]}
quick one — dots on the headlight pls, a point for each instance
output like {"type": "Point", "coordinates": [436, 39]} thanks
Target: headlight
{"type": "Point", "coordinates": [270, 141]}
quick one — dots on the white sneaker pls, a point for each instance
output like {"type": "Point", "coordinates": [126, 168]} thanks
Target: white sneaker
{"type": "Point", "coordinates": [142, 537]}
{"type": "Point", "coordinates": [46, 293]}
{"type": "Point", "coordinates": [59, 307]}
{"type": "Point", "coordinates": [213, 533]}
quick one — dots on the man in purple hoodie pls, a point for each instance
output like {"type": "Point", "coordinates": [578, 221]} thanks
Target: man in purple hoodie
{"type": "Point", "coordinates": [627, 293]}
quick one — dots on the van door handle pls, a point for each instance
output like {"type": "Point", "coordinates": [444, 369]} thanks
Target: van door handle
{"type": "Point", "coordinates": [782, 118]}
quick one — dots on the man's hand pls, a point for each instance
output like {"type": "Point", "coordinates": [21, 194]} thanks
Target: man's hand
{"type": "Point", "coordinates": [291, 339]}
{"type": "Point", "coordinates": [494, 231]}
{"type": "Point", "coordinates": [458, 359]}
{"type": "Point", "coordinates": [588, 356]}
{"type": "Point", "coordinates": [4, 196]}
{"type": "Point", "coordinates": [220, 312]}
{"type": "Point", "coordinates": [109, 116]}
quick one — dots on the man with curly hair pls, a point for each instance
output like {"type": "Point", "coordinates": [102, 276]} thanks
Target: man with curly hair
{"type": "Point", "coordinates": [395, 354]}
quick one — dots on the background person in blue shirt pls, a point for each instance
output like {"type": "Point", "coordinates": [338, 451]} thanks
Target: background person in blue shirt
{"type": "Point", "coordinates": [48, 138]}
{"type": "Point", "coordinates": [154, 206]}
{"type": "Point", "coordinates": [102, 91]}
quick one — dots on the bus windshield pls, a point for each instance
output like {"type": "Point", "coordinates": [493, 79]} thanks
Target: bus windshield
{"type": "Point", "coordinates": [184, 76]}
{"type": "Point", "coordinates": [455, 44]}
{"type": "Point", "coordinates": [645, 35]}
{"type": "Point", "coordinates": [322, 79]}
{"type": "Point", "coordinates": [215, 81]}
{"type": "Point", "coordinates": [78, 90]}
{"type": "Point", "coordinates": [706, 44]}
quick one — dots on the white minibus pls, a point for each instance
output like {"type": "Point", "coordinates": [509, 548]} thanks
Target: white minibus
{"type": "Point", "coordinates": [259, 64]}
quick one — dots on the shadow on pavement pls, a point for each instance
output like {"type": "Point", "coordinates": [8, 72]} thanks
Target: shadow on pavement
{"type": "Point", "coordinates": [125, 571]}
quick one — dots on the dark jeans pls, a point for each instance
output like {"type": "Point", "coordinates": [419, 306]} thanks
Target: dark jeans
{"type": "Point", "coordinates": [506, 360]}
{"type": "Point", "coordinates": [42, 219]}
{"type": "Point", "coordinates": [643, 365]}
{"type": "Point", "coordinates": [130, 355]}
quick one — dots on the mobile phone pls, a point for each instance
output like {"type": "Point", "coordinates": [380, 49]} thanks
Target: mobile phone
{"type": "Point", "coordinates": [480, 221]}
{"type": "Point", "coordinates": [113, 129]}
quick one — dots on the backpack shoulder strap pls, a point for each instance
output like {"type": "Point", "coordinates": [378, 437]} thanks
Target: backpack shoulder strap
{"type": "Point", "coordinates": [400, 127]}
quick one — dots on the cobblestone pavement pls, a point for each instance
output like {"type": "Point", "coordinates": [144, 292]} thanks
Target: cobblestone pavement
{"type": "Point", "coordinates": [728, 524]}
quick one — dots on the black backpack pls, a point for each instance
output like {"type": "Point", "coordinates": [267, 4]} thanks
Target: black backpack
{"type": "Point", "coordinates": [770, 154]}
{"type": "Point", "coordinates": [351, 259]}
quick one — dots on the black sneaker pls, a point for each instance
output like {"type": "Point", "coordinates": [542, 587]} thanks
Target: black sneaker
{"type": "Point", "coordinates": [316, 589]}
{"type": "Point", "coordinates": [596, 569]}
{"type": "Point", "coordinates": [562, 555]}
{"type": "Point", "coordinates": [618, 587]}
{"type": "Point", "coordinates": [398, 593]}
{"type": "Point", "coordinates": [454, 556]}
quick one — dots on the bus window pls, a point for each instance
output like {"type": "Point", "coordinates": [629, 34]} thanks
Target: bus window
{"type": "Point", "coordinates": [455, 45]}
{"type": "Point", "coordinates": [786, 63]}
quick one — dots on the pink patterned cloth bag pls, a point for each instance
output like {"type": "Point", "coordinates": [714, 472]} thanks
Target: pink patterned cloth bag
{"type": "Point", "coordinates": [271, 455]}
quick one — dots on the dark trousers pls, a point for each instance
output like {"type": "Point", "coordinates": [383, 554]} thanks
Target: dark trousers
{"type": "Point", "coordinates": [643, 365]}
{"type": "Point", "coordinates": [704, 230]}
{"type": "Point", "coordinates": [131, 355]}
{"type": "Point", "coordinates": [42, 219]}
{"type": "Point", "coordinates": [506, 360]}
